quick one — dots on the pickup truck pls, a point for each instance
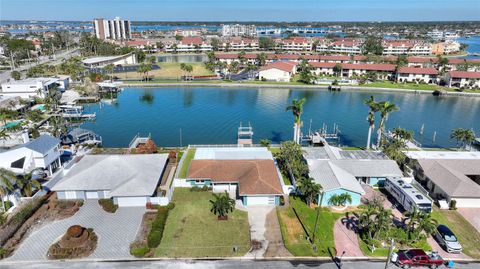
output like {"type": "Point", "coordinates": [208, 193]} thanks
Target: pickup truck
{"type": "Point", "coordinates": [416, 258]}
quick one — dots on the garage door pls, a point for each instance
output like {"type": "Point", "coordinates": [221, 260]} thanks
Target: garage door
{"type": "Point", "coordinates": [468, 203]}
{"type": "Point", "coordinates": [132, 201]}
{"type": "Point", "coordinates": [260, 200]}
{"type": "Point", "coordinates": [91, 194]}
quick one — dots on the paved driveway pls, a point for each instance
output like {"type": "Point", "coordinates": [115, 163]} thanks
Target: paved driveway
{"type": "Point", "coordinates": [115, 233]}
{"type": "Point", "coordinates": [346, 238]}
{"type": "Point", "coordinates": [472, 215]}
{"type": "Point", "coordinates": [257, 218]}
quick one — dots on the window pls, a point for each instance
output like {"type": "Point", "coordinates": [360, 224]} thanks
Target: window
{"type": "Point", "coordinates": [18, 163]}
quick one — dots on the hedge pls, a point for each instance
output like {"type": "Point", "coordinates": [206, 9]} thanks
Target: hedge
{"type": "Point", "coordinates": [156, 233]}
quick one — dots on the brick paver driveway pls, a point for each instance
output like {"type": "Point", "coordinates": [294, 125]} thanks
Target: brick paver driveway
{"type": "Point", "coordinates": [472, 215]}
{"type": "Point", "coordinates": [346, 238]}
{"type": "Point", "coordinates": [115, 232]}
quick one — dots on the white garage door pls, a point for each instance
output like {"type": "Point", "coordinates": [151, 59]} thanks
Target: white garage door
{"type": "Point", "coordinates": [260, 200]}
{"type": "Point", "coordinates": [70, 195]}
{"type": "Point", "coordinates": [91, 194]}
{"type": "Point", "coordinates": [468, 202]}
{"type": "Point", "coordinates": [132, 201]}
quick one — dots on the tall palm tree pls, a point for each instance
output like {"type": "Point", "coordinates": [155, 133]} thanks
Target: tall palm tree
{"type": "Point", "coordinates": [373, 106]}
{"type": "Point", "coordinates": [412, 221]}
{"type": "Point", "coordinates": [109, 69]}
{"type": "Point", "coordinates": [463, 136]}
{"type": "Point", "coordinates": [297, 109]}
{"type": "Point", "coordinates": [385, 108]}
{"type": "Point", "coordinates": [222, 204]}
{"type": "Point", "coordinates": [7, 179]}
{"type": "Point", "coordinates": [26, 184]}
{"type": "Point", "coordinates": [3, 135]}
{"type": "Point", "coordinates": [309, 189]}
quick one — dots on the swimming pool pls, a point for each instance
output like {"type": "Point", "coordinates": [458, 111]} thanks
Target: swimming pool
{"type": "Point", "coordinates": [12, 124]}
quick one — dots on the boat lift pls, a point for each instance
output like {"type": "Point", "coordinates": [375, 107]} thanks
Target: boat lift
{"type": "Point", "coordinates": [321, 136]}
{"type": "Point", "coordinates": [245, 135]}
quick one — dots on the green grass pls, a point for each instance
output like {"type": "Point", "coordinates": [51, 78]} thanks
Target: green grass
{"type": "Point", "coordinates": [193, 231]}
{"type": "Point", "coordinates": [410, 86]}
{"type": "Point", "coordinates": [367, 251]}
{"type": "Point", "coordinates": [186, 163]}
{"type": "Point", "coordinates": [294, 236]}
{"type": "Point", "coordinates": [168, 71]}
{"type": "Point", "coordinates": [468, 236]}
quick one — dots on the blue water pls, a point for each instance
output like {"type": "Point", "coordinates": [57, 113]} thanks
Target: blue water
{"type": "Point", "coordinates": [212, 115]}
{"type": "Point", "coordinates": [473, 45]}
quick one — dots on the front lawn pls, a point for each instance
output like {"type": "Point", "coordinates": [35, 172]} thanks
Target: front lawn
{"type": "Point", "coordinates": [468, 236]}
{"type": "Point", "coordinates": [168, 71]}
{"type": "Point", "coordinates": [295, 237]}
{"type": "Point", "coordinates": [193, 231]}
{"type": "Point", "coordinates": [411, 86]}
{"type": "Point", "coordinates": [186, 163]}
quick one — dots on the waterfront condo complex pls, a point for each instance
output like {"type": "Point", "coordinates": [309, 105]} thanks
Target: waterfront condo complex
{"type": "Point", "coordinates": [239, 134]}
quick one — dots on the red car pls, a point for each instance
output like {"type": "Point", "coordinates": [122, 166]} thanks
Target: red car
{"type": "Point", "coordinates": [416, 258]}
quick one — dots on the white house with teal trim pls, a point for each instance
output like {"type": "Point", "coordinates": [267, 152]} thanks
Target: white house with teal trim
{"type": "Point", "coordinates": [334, 180]}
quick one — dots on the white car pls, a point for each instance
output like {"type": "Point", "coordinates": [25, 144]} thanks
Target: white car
{"type": "Point", "coordinates": [447, 239]}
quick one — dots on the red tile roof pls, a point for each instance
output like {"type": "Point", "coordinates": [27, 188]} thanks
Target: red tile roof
{"type": "Point", "coordinates": [464, 74]}
{"type": "Point", "coordinates": [281, 65]}
{"type": "Point", "coordinates": [322, 64]}
{"type": "Point", "coordinates": [370, 67]}
{"type": "Point", "coordinates": [254, 177]}
{"type": "Point", "coordinates": [417, 70]}
{"type": "Point", "coordinates": [137, 43]}
{"type": "Point", "coordinates": [192, 41]}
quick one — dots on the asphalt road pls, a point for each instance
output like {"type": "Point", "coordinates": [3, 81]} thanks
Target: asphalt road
{"type": "Point", "coordinates": [223, 264]}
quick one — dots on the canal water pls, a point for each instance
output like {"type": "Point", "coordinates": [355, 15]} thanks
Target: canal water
{"type": "Point", "coordinates": [211, 115]}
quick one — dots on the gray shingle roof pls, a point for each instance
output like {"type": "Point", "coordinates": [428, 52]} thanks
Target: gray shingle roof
{"type": "Point", "coordinates": [43, 144]}
{"type": "Point", "coordinates": [122, 175]}
{"type": "Point", "coordinates": [332, 177]}
{"type": "Point", "coordinates": [370, 168]}
{"type": "Point", "coordinates": [450, 176]}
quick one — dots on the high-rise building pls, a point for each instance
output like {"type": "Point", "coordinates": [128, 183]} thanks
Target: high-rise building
{"type": "Point", "coordinates": [116, 29]}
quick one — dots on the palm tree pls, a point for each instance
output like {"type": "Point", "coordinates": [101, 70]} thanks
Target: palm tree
{"type": "Point", "coordinates": [7, 178]}
{"type": "Point", "coordinates": [222, 204]}
{"type": "Point", "coordinates": [262, 59]}
{"type": "Point", "coordinates": [402, 134]}
{"type": "Point", "coordinates": [340, 199]}
{"type": "Point", "coordinates": [3, 135]}
{"type": "Point", "coordinates": [297, 109]}
{"type": "Point", "coordinates": [144, 68]}
{"type": "Point", "coordinates": [58, 126]}
{"type": "Point", "coordinates": [464, 137]}
{"type": "Point", "coordinates": [385, 109]}
{"type": "Point", "coordinates": [26, 184]}
{"type": "Point", "coordinates": [426, 223]}
{"type": "Point", "coordinates": [109, 69]}
{"type": "Point", "coordinates": [371, 117]}
{"type": "Point", "coordinates": [309, 190]}
{"type": "Point", "coordinates": [412, 221]}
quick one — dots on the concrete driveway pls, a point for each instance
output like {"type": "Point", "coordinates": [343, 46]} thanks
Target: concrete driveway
{"type": "Point", "coordinates": [115, 233]}
{"type": "Point", "coordinates": [472, 215]}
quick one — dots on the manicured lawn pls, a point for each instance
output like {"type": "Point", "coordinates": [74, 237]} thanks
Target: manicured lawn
{"type": "Point", "coordinates": [412, 86]}
{"type": "Point", "coordinates": [186, 163]}
{"type": "Point", "coordinates": [193, 231]}
{"type": "Point", "coordinates": [468, 236]}
{"type": "Point", "coordinates": [169, 70]}
{"type": "Point", "coordinates": [294, 236]}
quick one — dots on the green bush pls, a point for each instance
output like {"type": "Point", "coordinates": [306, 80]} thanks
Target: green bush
{"type": "Point", "coordinates": [139, 251]}
{"type": "Point", "coordinates": [155, 236]}
{"type": "Point", "coordinates": [3, 218]}
{"type": "Point", "coordinates": [171, 206]}
{"type": "Point", "coordinates": [108, 205]}
{"type": "Point", "coordinates": [453, 204]}
{"type": "Point", "coordinates": [8, 205]}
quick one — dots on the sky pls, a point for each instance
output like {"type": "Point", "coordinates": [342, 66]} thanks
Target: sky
{"type": "Point", "coordinates": [243, 10]}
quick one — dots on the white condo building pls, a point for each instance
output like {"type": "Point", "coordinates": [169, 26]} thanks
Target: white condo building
{"type": "Point", "coordinates": [239, 30]}
{"type": "Point", "coordinates": [116, 29]}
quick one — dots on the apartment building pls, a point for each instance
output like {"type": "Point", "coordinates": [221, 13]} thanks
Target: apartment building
{"type": "Point", "coordinates": [294, 44]}
{"type": "Point", "coordinates": [417, 75]}
{"type": "Point", "coordinates": [116, 29]}
{"type": "Point", "coordinates": [230, 30]}
{"type": "Point", "coordinates": [463, 79]}
{"type": "Point", "coordinates": [189, 44]}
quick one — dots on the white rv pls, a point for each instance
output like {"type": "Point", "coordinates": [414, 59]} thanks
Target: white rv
{"type": "Point", "coordinates": [407, 195]}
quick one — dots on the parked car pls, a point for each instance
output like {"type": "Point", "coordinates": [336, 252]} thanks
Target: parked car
{"type": "Point", "coordinates": [447, 239]}
{"type": "Point", "coordinates": [416, 258]}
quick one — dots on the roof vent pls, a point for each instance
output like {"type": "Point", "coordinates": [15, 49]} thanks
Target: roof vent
{"type": "Point", "coordinates": [419, 197]}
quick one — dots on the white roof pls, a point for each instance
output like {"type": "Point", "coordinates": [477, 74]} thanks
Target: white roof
{"type": "Point", "coordinates": [370, 168]}
{"type": "Point", "coordinates": [423, 154]}
{"type": "Point", "coordinates": [95, 60]}
{"type": "Point", "coordinates": [30, 81]}
{"type": "Point", "coordinates": [122, 175]}
{"type": "Point", "coordinates": [332, 177]}
{"type": "Point", "coordinates": [233, 154]}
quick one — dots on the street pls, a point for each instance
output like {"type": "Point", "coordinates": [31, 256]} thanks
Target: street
{"type": "Point", "coordinates": [58, 59]}
{"type": "Point", "coordinates": [197, 264]}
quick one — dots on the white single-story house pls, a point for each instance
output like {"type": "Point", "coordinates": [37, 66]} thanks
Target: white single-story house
{"type": "Point", "coordinates": [463, 79]}
{"type": "Point", "coordinates": [41, 153]}
{"type": "Point", "coordinates": [417, 75]}
{"type": "Point", "coordinates": [30, 87]}
{"type": "Point", "coordinates": [126, 59]}
{"type": "Point", "coordinates": [130, 180]}
{"type": "Point", "coordinates": [278, 71]}
{"type": "Point", "coordinates": [449, 175]}
{"type": "Point", "coordinates": [334, 181]}
{"type": "Point", "coordinates": [343, 171]}
{"type": "Point", "coordinates": [248, 174]}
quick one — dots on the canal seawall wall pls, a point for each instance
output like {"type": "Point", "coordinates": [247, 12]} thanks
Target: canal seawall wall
{"type": "Point", "coordinates": [286, 86]}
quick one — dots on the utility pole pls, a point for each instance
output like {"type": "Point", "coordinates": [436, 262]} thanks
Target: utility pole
{"type": "Point", "coordinates": [316, 220]}
{"type": "Point", "coordinates": [390, 250]}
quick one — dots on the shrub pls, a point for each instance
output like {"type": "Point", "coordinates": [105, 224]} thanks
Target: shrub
{"type": "Point", "coordinates": [139, 251]}
{"type": "Point", "coordinates": [171, 206]}
{"type": "Point", "coordinates": [108, 205]}
{"type": "Point", "coordinates": [155, 236]}
{"type": "Point", "coordinates": [453, 204]}
{"type": "Point", "coordinates": [3, 218]}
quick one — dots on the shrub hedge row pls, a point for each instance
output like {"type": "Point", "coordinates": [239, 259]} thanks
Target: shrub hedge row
{"type": "Point", "coordinates": [156, 233]}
